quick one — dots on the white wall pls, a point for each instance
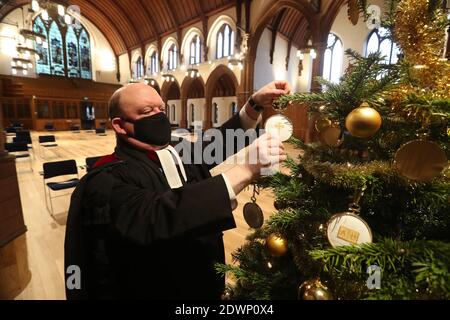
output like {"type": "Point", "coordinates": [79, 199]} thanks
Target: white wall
{"type": "Point", "coordinates": [353, 37]}
{"type": "Point", "coordinates": [199, 110]}
{"type": "Point", "coordinates": [224, 105]}
{"type": "Point", "coordinates": [177, 104]}
{"type": "Point", "coordinates": [266, 72]}
{"type": "Point", "coordinates": [102, 55]}
{"type": "Point", "coordinates": [124, 66]}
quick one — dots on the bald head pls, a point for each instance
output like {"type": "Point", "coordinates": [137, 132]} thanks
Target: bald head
{"type": "Point", "coordinates": [133, 100]}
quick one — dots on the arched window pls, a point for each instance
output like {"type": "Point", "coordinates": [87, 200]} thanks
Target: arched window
{"type": "Point", "coordinates": [195, 50]}
{"type": "Point", "coordinates": [56, 50]}
{"type": "Point", "coordinates": [167, 111]}
{"type": "Point", "coordinates": [153, 63]}
{"type": "Point", "coordinates": [138, 68]}
{"type": "Point", "coordinates": [192, 112]}
{"type": "Point", "coordinates": [43, 64]}
{"type": "Point", "coordinates": [225, 42]}
{"type": "Point", "coordinates": [173, 113]}
{"type": "Point", "coordinates": [173, 57]}
{"type": "Point", "coordinates": [233, 108]}
{"type": "Point", "coordinates": [67, 49]}
{"type": "Point", "coordinates": [73, 64]}
{"type": "Point", "coordinates": [215, 113]}
{"type": "Point", "coordinates": [85, 54]}
{"type": "Point", "coordinates": [332, 66]}
{"type": "Point", "coordinates": [378, 41]}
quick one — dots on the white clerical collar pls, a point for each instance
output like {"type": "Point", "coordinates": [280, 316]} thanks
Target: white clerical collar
{"type": "Point", "coordinates": [169, 157]}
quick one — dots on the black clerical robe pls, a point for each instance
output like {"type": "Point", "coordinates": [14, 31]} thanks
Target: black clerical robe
{"type": "Point", "coordinates": [134, 237]}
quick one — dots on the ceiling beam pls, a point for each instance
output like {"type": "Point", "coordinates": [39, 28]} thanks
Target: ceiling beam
{"type": "Point", "coordinates": [125, 16]}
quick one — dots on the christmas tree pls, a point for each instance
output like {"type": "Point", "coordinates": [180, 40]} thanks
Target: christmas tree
{"type": "Point", "coordinates": [364, 213]}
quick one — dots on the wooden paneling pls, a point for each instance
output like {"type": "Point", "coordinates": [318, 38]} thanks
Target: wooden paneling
{"type": "Point", "coordinates": [14, 270]}
{"type": "Point", "coordinates": [11, 218]}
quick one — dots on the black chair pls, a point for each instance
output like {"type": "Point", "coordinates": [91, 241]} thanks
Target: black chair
{"type": "Point", "coordinates": [75, 128]}
{"type": "Point", "coordinates": [56, 169]}
{"type": "Point", "coordinates": [19, 150]}
{"type": "Point", "coordinates": [46, 142]}
{"type": "Point", "coordinates": [49, 126]}
{"type": "Point", "coordinates": [90, 161]}
{"type": "Point", "coordinates": [100, 131]}
{"type": "Point", "coordinates": [10, 131]}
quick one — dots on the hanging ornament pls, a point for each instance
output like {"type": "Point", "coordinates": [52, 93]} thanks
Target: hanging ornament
{"type": "Point", "coordinates": [280, 204]}
{"type": "Point", "coordinates": [276, 245]}
{"type": "Point", "coordinates": [348, 228]}
{"type": "Point", "coordinates": [420, 160]}
{"type": "Point", "coordinates": [314, 290]}
{"type": "Point", "coordinates": [253, 214]}
{"type": "Point", "coordinates": [332, 136]}
{"type": "Point", "coordinates": [363, 122]}
{"type": "Point", "coordinates": [280, 125]}
{"type": "Point", "coordinates": [281, 106]}
{"type": "Point", "coordinates": [322, 123]}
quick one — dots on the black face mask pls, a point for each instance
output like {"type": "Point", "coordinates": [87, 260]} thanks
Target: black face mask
{"type": "Point", "coordinates": [154, 130]}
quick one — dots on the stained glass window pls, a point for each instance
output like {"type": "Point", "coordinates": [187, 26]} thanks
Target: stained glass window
{"type": "Point", "coordinates": [73, 65]}
{"type": "Point", "coordinates": [66, 51]}
{"type": "Point", "coordinates": [225, 42]}
{"type": "Point", "coordinates": [56, 50]}
{"type": "Point", "coordinates": [85, 54]}
{"type": "Point", "coordinates": [332, 68]}
{"type": "Point", "coordinates": [43, 63]}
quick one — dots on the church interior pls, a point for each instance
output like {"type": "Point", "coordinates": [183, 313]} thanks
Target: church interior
{"type": "Point", "coordinates": [61, 60]}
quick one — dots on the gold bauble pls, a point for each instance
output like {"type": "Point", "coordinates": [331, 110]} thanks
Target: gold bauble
{"type": "Point", "coordinates": [363, 122]}
{"type": "Point", "coordinates": [322, 123]}
{"type": "Point", "coordinates": [332, 136]}
{"type": "Point", "coordinates": [276, 245]}
{"type": "Point", "coordinates": [420, 160]}
{"type": "Point", "coordinates": [314, 290]}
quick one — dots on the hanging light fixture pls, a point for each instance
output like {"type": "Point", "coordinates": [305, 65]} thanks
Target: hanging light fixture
{"type": "Point", "coordinates": [68, 19]}
{"type": "Point", "coordinates": [61, 10]}
{"type": "Point", "coordinates": [192, 72]}
{"type": "Point", "coordinates": [35, 5]}
{"type": "Point", "coordinates": [44, 15]}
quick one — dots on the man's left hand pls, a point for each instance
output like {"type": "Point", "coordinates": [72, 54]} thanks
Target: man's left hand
{"type": "Point", "coordinates": [270, 92]}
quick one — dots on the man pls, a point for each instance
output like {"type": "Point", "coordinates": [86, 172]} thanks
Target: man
{"type": "Point", "coordinates": [144, 225]}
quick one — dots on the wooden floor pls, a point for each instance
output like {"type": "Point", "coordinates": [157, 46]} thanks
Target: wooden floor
{"type": "Point", "coordinates": [45, 236]}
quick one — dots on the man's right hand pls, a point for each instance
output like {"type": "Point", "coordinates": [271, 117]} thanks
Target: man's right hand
{"type": "Point", "coordinates": [252, 161]}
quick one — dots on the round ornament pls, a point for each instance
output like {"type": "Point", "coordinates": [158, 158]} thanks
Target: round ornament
{"type": "Point", "coordinates": [253, 215]}
{"type": "Point", "coordinates": [280, 125]}
{"type": "Point", "coordinates": [420, 160]}
{"type": "Point", "coordinates": [363, 122]}
{"type": "Point", "coordinates": [277, 245]}
{"type": "Point", "coordinates": [347, 228]}
{"type": "Point", "coordinates": [332, 136]}
{"type": "Point", "coordinates": [322, 123]}
{"type": "Point", "coordinates": [314, 290]}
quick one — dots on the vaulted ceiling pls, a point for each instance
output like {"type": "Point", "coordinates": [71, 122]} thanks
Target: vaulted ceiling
{"type": "Point", "coordinates": [128, 24]}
